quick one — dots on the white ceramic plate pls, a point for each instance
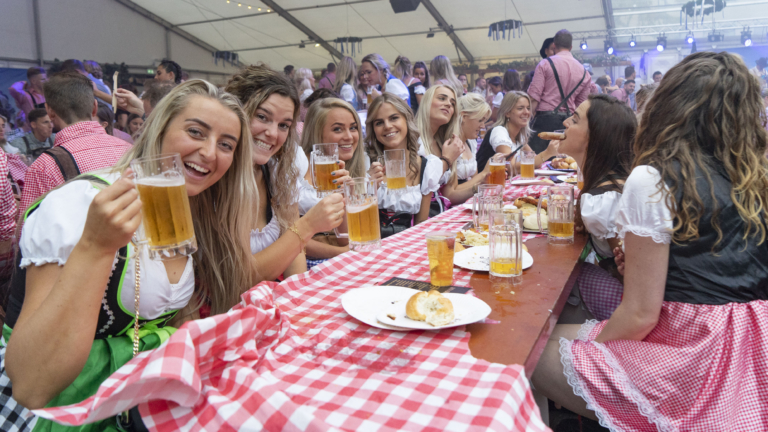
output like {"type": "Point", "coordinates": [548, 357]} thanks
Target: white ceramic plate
{"type": "Point", "coordinates": [563, 178]}
{"type": "Point", "coordinates": [467, 309]}
{"type": "Point", "coordinates": [477, 259]}
{"type": "Point", "coordinates": [366, 302]}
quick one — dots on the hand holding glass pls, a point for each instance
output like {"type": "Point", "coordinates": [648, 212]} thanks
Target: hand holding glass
{"type": "Point", "coordinates": [166, 227]}
{"type": "Point", "coordinates": [362, 215]}
{"type": "Point", "coordinates": [324, 160]}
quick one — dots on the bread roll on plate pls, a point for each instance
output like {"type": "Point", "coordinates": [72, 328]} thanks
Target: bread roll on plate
{"type": "Point", "coordinates": [432, 307]}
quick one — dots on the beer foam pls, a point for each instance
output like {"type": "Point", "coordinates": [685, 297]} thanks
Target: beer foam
{"type": "Point", "coordinates": [317, 162]}
{"type": "Point", "coordinates": [358, 209]}
{"type": "Point", "coordinates": [497, 163]}
{"type": "Point", "coordinates": [162, 181]}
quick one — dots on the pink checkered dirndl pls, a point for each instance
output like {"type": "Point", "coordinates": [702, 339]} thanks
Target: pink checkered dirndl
{"type": "Point", "coordinates": [702, 368]}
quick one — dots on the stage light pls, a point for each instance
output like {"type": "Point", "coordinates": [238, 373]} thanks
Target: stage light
{"type": "Point", "coordinates": [317, 45]}
{"type": "Point", "coordinates": [746, 37]}
{"type": "Point", "coordinates": [608, 46]}
{"type": "Point", "coordinates": [632, 41]}
{"type": "Point", "coordinates": [430, 35]}
{"type": "Point", "coordinates": [690, 38]}
{"type": "Point", "coordinates": [583, 44]}
{"type": "Point", "coordinates": [714, 37]}
{"type": "Point", "coordinates": [661, 43]}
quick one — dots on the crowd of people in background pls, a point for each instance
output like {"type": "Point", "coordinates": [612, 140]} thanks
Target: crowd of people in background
{"type": "Point", "coordinates": [247, 150]}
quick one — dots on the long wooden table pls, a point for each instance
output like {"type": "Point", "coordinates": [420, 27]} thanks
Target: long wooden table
{"type": "Point", "coordinates": [527, 312]}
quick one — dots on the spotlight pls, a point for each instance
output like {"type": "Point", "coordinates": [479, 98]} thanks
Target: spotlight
{"type": "Point", "coordinates": [430, 35]}
{"type": "Point", "coordinates": [317, 45]}
{"type": "Point", "coordinates": [632, 41]}
{"type": "Point", "coordinates": [249, 7]}
{"type": "Point", "coordinates": [661, 43]}
{"type": "Point", "coordinates": [690, 37]}
{"type": "Point", "coordinates": [608, 46]}
{"type": "Point", "coordinates": [269, 10]}
{"type": "Point", "coordinates": [714, 37]}
{"type": "Point", "coordinates": [746, 37]}
{"type": "Point", "coordinates": [258, 9]}
{"type": "Point", "coordinates": [583, 44]}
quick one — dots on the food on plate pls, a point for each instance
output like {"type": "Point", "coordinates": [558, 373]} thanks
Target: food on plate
{"type": "Point", "coordinates": [571, 180]}
{"type": "Point", "coordinates": [551, 136]}
{"type": "Point", "coordinates": [469, 238]}
{"type": "Point", "coordinates": [530, 201]}
{"type": "Point", "coordinates": [564, 163]}
{"type": "Point", "coordinates": [391, 316]}
{"type": "Point", "coordinates": [531, 222]}
{"type": "Point", "coordinates": [432, 307]}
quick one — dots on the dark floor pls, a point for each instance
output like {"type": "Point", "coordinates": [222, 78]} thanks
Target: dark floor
{"type": "Point", "coordinates": [562, 420]}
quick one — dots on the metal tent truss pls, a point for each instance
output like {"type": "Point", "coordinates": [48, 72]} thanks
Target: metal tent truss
{"type": "Point", "coordinates": [655, 30]}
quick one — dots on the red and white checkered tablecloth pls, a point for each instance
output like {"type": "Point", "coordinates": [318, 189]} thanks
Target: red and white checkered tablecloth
{"type": "Point", "coordinates": [290, 358]}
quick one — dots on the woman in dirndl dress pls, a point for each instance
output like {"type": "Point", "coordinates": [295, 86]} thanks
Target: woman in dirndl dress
{"type": "Point", "coordinates": [686, 348]}
{"type": "Point", "coordinates": [599, 137]}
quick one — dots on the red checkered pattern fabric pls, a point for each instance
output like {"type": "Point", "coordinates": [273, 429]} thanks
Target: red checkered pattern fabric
{"type": "Point", "coordinates": [92, 149]}
{"type": "Point", "coordinates": [702, 368]}
{"type": "Point", "coordinates": [8, 209]}
{"type": "Point", "coordinates": [17, 168]}
{"type": "Point", "coordinates": [290, 358]}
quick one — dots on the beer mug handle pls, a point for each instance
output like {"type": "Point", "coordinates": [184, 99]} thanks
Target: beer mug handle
{"type": "Point", "coordinates": [312, 168]}
{"type": "Point", "coordinates": [340, 235]}
{"type": "Point", "coordinates": [383, 163]}
{"type": "Point", "coordinates": [538, 214]}
{"type": "Point", "coordinates": [475, 211]}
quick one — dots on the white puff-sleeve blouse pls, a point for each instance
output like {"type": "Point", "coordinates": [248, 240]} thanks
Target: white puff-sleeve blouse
{"type": "Point", "coordinates": [500, 136]}
{"type": "Point", "coordinates": [642, 208]}
{"type": "Point", "coordinates": [409, 201]}
{"type": "Point", "coordinates": [598, 212]}
{"type": "Point", "coordinates": [466, 168]}
{"type": "Point", "coordinates": [446, 175]}
{"type": "Point", "coordinates": [52, 230]}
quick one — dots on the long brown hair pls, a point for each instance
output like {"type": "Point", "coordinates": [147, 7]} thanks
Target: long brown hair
{"type": "Point", "coordinates": [221, 213]}
{"type": "Point", "coordinates": [375, 148]}
{"type": "Point", "coordinates": [612, 126]}
{"type": "Point", "coordinates": [707, 114]}
{"type": "Point", "coordinates": [254, 85]}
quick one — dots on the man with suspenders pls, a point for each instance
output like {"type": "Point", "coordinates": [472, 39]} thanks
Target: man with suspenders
{"type": "Point", "coordinates": [81, 144]}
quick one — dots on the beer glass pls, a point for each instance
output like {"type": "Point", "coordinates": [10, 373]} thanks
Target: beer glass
{"type": "Point", "coordinates": [166, 227]}
{"type": "Point", "coordinates": [362, 215]}
{"type": "Point", "coordinates": [498, 170]}
{"type": "Point", "coordinates": [440, 246]}
{"type": "Point", "coordinates": [487, 199]}
{"type": "Point", "coordinates": [506, 243]}
{"type": "Point", "coordinates": [323, 160]}
{"type": "Point", "coordinates": [527, 160]}
{"type": "Point", "coordinates": [394, 164]}
{"type": "Point", "coordinates": [560, 214]}
{"type": "Point", "coordinates": [579, 179]}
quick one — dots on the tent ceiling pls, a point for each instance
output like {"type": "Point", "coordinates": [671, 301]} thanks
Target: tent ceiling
{"type": "Point", "coordinates": [270, 38]}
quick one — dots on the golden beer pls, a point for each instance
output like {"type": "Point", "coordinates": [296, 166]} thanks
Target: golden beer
{"type": "Point", "coordinates": [370, 98]}
{"type": "Point", "coordinates": [440, 261]}
{"type": "Point", "coordinates": [526, 171]}
{"type": "Point", "coordinates": [561, 229]}
{"type": "Point", "coordinates": [323, 177]}
{"type": "Point", "coordinates": [505, 266]}
{"type": "Point", "coordinates": [484, 226]}
{"type": "Point", "coordinates": [580, 184]}
{"type": "Point", "coordinates": [395, 183]}
{"type": "Point", "coordinates": [363, 223]}
{"type": "Point", "coordinates": [498, 174]}
{"type": "Point", "coordinates": [165, 211]}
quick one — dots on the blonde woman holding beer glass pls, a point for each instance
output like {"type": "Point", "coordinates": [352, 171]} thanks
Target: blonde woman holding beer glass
{"type": "Point", "coordinates": [332, 120]}
{"type": "Point", "coordinates": [278, 237]}
{"type": "Point", "coordinates": [73, 299]}
{"type": "Point", "coordinates": [438, 125]}
{"type": "Point", "coordinates": [390, 126]}
{"type": "Point", "coordinates": [511, 131]}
